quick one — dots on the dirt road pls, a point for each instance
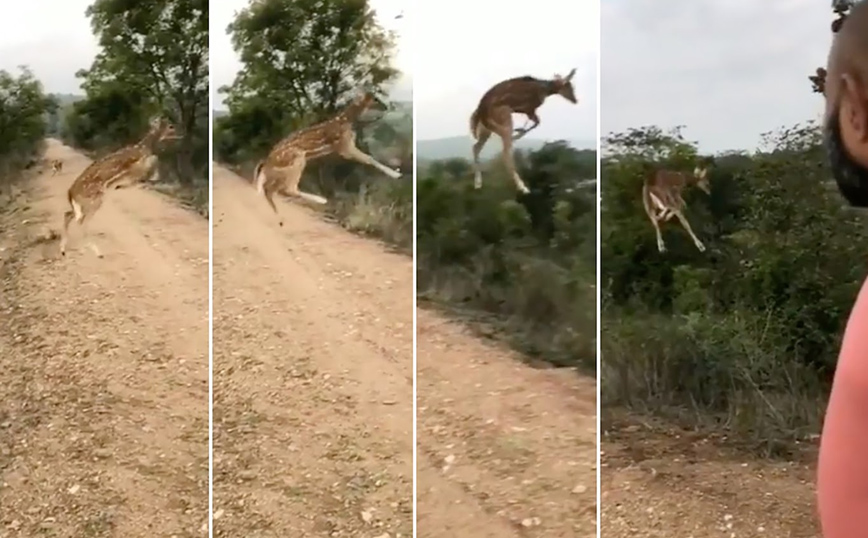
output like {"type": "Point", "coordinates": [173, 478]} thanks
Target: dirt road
{"type": "Point", "coordinates": [104, 383]}
{"type": "Point", "coordinates": [673, 483]}
{"type": "Point", "coordinates": [505, 450]}
{"type": "Point", "coordinates": [313, 351]}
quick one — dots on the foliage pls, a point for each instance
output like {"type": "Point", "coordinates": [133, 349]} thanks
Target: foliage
{"type": "Point", "coordinates": [24, 108]}
{"type": "Point", "coordinates": [153, 60]}
{"type": "Point", "coordinates": [303, 60]}
{"type": "Point", "coordinates": [529, 260]}
{"type": "Point", "coordinates": [748, 331]}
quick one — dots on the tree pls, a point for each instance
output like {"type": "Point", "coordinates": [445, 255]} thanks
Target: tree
{"type": "Point", "coordinates": [113, 115]}
{"type": "Point", "coordinates": [302, 60]}
{"type": "Point", "coordinates": [156, 52]}
{"type": "Point", "coordinates": [24, 108]}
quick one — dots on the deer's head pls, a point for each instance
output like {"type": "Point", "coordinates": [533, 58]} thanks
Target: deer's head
{"type": "Point", "coordinates": [162, 130]}
{"type": "Point", "coordinates": [368, 100]}
{"type": "Point", "coordinates": [563, 86]}
{"type": "Point", "coordinates": [700, 172]}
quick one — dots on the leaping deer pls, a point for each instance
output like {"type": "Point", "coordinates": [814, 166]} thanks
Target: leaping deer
{"type": "Point", "coordinates": [56, 167]}
{"type": "Point", "coordinates": [128, 165]}
{"type": "Point", "coordinates": [521, 95]}
{"type": "Point", "coordinates": [661, 196]}
{"type": "Point", "coordinates": [281, 170]}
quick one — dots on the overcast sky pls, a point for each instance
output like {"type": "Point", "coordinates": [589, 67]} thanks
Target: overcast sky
{"type": "Point", "coordinates": [729, 70]}
{"type": "Point", "coordinates": [460, 54]}
{"type": "Point", "coordinates": [225, 63]}
{"type": "Point", "coordinates": [53, 37]}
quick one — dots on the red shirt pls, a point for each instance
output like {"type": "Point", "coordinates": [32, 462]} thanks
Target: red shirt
{"type": "Point", "coordinates": [842, 475]}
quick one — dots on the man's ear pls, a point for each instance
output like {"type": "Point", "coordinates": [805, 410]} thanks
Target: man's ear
{"type": "Point", "coordinates": [854, 106]}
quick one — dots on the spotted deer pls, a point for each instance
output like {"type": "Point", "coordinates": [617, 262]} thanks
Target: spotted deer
{"type": "Point", "coordinates": [124, 167]}
{"type": "Point", "coordinates": [56, 166]}
{"type": "Point", "coordinates": [281, 170]}
{"type": "Point", "coordinates": [521, 95]}
{"type": "Point", "coordinates": [662, 197]}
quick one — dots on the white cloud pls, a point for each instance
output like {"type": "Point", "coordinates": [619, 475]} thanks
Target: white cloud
{"type": "Point", "coordinates": [463, 47]}
{"type": "Point", "coordinates": [729, 70]}
{"type": "Point", "coordinates": [52, 37]}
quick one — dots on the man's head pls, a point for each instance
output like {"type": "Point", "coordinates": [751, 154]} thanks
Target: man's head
{"type": "Point", "coordinates": [845, 125]}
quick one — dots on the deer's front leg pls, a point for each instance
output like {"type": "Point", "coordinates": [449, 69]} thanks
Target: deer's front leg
{"type": "Point", "coordinates": [351, 152]}
{"type": "Point", "coordinates": [519, 133]}
{"type": "Point", "coordinates": [687, 227]}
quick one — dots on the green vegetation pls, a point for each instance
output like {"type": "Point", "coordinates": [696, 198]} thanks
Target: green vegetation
{"type": "Point", "coordinates": [527, 261]}
{"type": "Point", "coordinates": [303, 61]}
{"type": "Point", "coordinates": [745, 336]}
{"type": "Point", "coordinates": [458, 147]}
{"type": "Point", "coordinates": [153, 60]}
{"type": "Point", "coordinates": [24, 108]}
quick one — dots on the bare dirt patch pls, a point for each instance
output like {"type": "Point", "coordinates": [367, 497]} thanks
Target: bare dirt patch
{"type": "Point", "coordinates": [104, 397]}
{"type": "Point", "coordinates": [504, 449]}
{"type": "Point", "coordinates": [312, 374]}
{"type": "Point", "coordinates": [664, 481]}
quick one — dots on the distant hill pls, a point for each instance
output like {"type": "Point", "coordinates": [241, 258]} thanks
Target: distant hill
{"type": "Point", "coordinates": [65, 99]}
{"type": "Point", "coordinates": [55, 120]}
{"type": "Point", "coordinates": [460, 147]}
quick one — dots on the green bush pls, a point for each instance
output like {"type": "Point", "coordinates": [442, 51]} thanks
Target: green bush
{"type": "Point", "coordinates": [746, 334]}
{"type": "Point", "coordinates": [527, 260]}
{"type": "Point", "coordinates": [24, 108]}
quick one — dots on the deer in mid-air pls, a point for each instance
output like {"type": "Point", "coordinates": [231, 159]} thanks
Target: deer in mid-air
{"type": "Point", "coordinates": [56, 167]}
{"type": "Point", "coordinates": [281, 170]}
{"type": "Point", "coordinates": [124, 167]}
{"type": "Point", "coordinates": [662, 197]}
{"type": "Point", "coordinates": [521, 95]}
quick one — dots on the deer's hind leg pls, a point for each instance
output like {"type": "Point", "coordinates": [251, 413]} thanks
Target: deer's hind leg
{"type": "Point", "coordinates": [268, 182]}
{"type": "Point", "coordinates": [483, 133]}
{"type": "Point", "coordinates": [82, 212]}
{"type": "Point", "coordinates": [292, 177]}
{"type": "Point", "coordinates": [68, 217]}
{"type": "Point", "coordinates": [501, 120]}
{"type": "Point", "coordinates": [655, 217]}
{"type": "Point", "coordinates": [348, 150]}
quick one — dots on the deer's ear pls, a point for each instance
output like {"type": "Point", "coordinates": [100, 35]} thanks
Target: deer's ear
{"type": "Point", "coordinates": [569, 77]}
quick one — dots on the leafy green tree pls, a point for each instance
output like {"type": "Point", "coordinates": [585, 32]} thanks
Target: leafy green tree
{"type": "Point", "coordinates": [302, 60]}
{"type": "Point", "coordinates": [113, 115]}
{"type": "Point", "coordinates": [24, 108]}
{"type": "Point", "coordinates": [153, 58]}
{"type": "Point", "coordinates": [746, 332]}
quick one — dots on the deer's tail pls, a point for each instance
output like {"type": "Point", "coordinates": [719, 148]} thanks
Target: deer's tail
{"type": "Point", "coordinates": [646, 200]}
{"type": "Point", "coordinates": [259, 177]}
{"type": "Point", "coordinates": [75, 208]}
{"type": "Point", "coordinates": [474, 124]}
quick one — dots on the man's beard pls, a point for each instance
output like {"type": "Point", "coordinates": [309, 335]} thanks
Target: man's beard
{"type": "Point", "coordinates": [852, 178]}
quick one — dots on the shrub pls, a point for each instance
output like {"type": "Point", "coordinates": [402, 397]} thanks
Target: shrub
{"type": "Point", "coordinates": [746, 334]}
{"type": "Point", "coordinates": [529, 261]}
